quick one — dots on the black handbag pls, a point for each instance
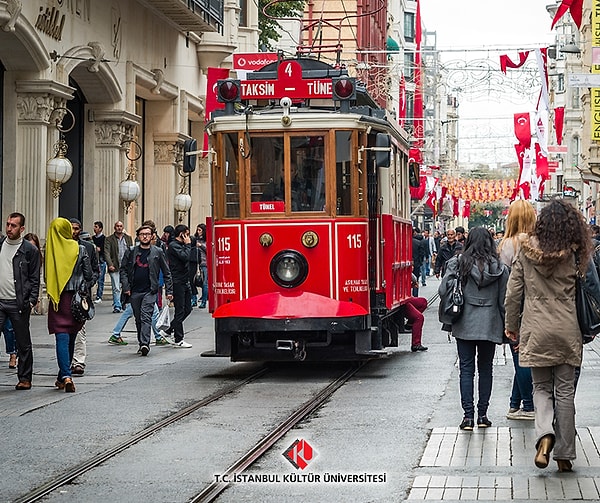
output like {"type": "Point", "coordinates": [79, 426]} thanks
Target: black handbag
{"type": "Point", "coordinates": [82, 306]}
{"type": "Point", "coordinates": [451, 304]}
{"type": "Point", "coordinates": [587, 301]}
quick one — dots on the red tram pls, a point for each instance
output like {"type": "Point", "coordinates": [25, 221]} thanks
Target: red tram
{"type": "Point", "coordinates": [310, 238]}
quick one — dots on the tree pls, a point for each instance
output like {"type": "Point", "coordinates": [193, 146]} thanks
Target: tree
{"type": "Point", "coordinates": [486, 214]}
{"type": "Point", "coordinates": [270, 28]}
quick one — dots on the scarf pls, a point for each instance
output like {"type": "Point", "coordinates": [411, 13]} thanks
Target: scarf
{"type": "Point", "coordinates": [61, 256]}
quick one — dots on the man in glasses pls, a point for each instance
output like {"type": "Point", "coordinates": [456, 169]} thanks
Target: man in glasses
{"type": "Point", "coordinates": [140, 270]}
{"type": "Point", "coordinates": [447, 250]}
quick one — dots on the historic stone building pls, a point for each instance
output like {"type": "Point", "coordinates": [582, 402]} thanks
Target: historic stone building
{"type": "Point", "coordinates": [125, 80]}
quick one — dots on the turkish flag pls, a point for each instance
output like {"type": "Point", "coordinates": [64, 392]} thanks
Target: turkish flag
{"type": "Point", "coordinates": [523, 129]}
{"type": "Point", "coordinates": [212, 103]}
{"type": "Point", "coordinates": [466, 213]}
{"type": "Point", "coordinates": [541, 163]}
{"type": "Point", "coordinates": [419, 192]}
{"type": "Point", "coordinates": [506, 62]}
{"type": "Point", "coordinates": [431, 202]}
{"type": "Point", "coordinates": [575, 7]}
{"type": "Point", "coordinates": [559, 121]}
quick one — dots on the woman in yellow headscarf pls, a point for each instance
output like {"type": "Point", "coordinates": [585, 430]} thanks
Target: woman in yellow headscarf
{"type": "Point", "coordinates": [67, 266]}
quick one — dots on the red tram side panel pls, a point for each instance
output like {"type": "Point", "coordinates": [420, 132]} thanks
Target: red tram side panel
{"type": "Point", "coordinates": [337, 268]}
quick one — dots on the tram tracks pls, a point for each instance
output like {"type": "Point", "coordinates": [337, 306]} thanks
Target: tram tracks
{"type": "Point", "coordinates": [97, 460]}
{"type": "Point", "coordinates": [213, 489]}
{"type": "Point", "coordinates": [216, 487]}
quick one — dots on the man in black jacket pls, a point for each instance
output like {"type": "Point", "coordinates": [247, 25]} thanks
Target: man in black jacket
{"type": "Point", "coordinates": [80, 351]}
{"type": "Point", "coordinates": [178, 254]}
{"type": "Point", "coordinates": [19, 290]}
{"type": "Point", "coordinates": [447, 250]}
{"type": "Point", "coordinates": [140, 269]}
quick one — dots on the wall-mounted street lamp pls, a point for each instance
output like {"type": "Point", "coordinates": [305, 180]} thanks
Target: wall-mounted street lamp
{"type": "Point", "coordinates": [129, 189]}
{"type": "Point", "coordinates": [59, 169]}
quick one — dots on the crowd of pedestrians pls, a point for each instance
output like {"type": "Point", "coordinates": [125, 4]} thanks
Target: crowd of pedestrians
{"type": "Point", "coordinates": [74, 264]}
{"type": "Point", "coordinates": [520, 290]}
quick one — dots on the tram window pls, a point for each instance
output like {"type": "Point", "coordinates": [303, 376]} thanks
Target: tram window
{"type": "Point", "coordinates": [231, 167]}
{"type": "Point", "coordinates": [343, 176]}
{"type": "Point", "coordinates": [266, 170]}
{"type": "Point", "coordinates": [307, 173]}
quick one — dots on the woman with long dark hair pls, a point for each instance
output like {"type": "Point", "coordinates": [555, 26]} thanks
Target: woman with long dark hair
{"type": "Point", "coordinates": [480, 327]}
{"type": "Point", "coordinates": [542, 281]}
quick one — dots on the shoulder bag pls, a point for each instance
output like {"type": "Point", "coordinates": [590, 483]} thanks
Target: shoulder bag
{"type": "Point", "coordinates": [82, 307]}
{"type": "Point", "coordinates": [451, 304]}
{"type": "Point", "coordinates": [587, 301]}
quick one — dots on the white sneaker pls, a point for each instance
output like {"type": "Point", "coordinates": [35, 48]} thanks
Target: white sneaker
{"type": "Point", "coordinates": [182, 344]}
{"type": "Point", "coordinates": [164, 335]}
{"type": "Point", "coordinates": [521, 414]}
{"type": "Point", "coordinates": [97, 301]}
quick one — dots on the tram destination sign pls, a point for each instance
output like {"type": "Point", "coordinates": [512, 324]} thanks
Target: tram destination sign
{"type": "Point", "coordinates": [289, 84]}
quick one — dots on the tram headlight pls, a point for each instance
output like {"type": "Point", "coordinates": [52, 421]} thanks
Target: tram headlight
{"type": "Point", "coordinates": [289, 268]}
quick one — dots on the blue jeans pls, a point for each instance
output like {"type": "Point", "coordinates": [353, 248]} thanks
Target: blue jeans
{"type": "Point", "coordinates": [467, 351]}
{"type": "Point", "coordinates": [9, 338]}
{"type": "Point", "coordinates": [204, 298]}
{"type": "Point", "coordinates": [115, 281]}
{"type": "Point", "coordinates": [65, 346]}
{"type": "Point", "coordinates": [128, 313]}
{"type": "Point", "coordinates": [522, 389]}
{"type": "Point", "coordinates": [424, 270]}
{"type": "Point", "coordinates": [100, 290]}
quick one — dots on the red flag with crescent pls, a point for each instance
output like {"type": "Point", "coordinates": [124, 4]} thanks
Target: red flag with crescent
{"type": "Point", "coordinates": [431, 202]}
{"type": "Point", "coordinates": [541, 163]}
{"type": "Point", "coordinates": [506, 62]}
{"type": "Point", "coordinates": [523, 129]}
{"type": "Point", "coordinates": [466, 213]}
{"type": "Point", "coordinates": [575, 7]}
{"type": "Point", "coordinates": [559, 120]}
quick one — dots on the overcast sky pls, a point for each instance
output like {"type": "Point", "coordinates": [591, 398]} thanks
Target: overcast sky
{"type": "Point", "coordinates": [464, 28]}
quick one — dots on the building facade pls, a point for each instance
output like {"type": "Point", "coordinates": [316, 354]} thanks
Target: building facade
{"type": "Point", "coordinates": [125, 82]}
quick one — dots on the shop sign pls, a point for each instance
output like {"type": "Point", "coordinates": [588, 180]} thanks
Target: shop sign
{"type": "Point", "coordinates": [48, 22]}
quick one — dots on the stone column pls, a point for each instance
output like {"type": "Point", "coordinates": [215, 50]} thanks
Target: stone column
{"type": "Point", "coordinates": [112, 128]}
{"type": "Point", "coordinates": [35, 139]}
{"type": "Point", "coordinates": [160, 190]}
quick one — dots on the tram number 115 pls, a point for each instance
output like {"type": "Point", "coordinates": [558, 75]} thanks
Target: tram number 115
{"type": "Point", "coordinates": [354, 240]}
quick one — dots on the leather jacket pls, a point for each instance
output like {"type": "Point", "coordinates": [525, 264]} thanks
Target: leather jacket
{"type": "Point", "coordinates": [26, 271]}
{"type": "Point", "coordinates": [156, 262]}
{"type": "Point", "coordinates": [81, 272]}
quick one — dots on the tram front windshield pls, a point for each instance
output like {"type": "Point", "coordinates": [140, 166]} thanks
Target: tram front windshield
{"type": "Point", "coordinates": [299, 179]}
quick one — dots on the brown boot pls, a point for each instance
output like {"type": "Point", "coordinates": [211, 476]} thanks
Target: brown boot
{"type": "Point", "coordinates": [545, 445]}
{"type": "Point", "coordinates": [69, 385]}
{"type": "Point", "coordinates": [12, 361]}
{"type": "Point", "coordinates": [23, 385]}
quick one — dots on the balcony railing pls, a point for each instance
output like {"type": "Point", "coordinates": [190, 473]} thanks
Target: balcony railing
{"type": "Point", "coordinates": [191, 15]}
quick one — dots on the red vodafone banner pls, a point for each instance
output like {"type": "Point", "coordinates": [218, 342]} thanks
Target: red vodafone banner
{"type": "Point", "coordinates": [253, 60]}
